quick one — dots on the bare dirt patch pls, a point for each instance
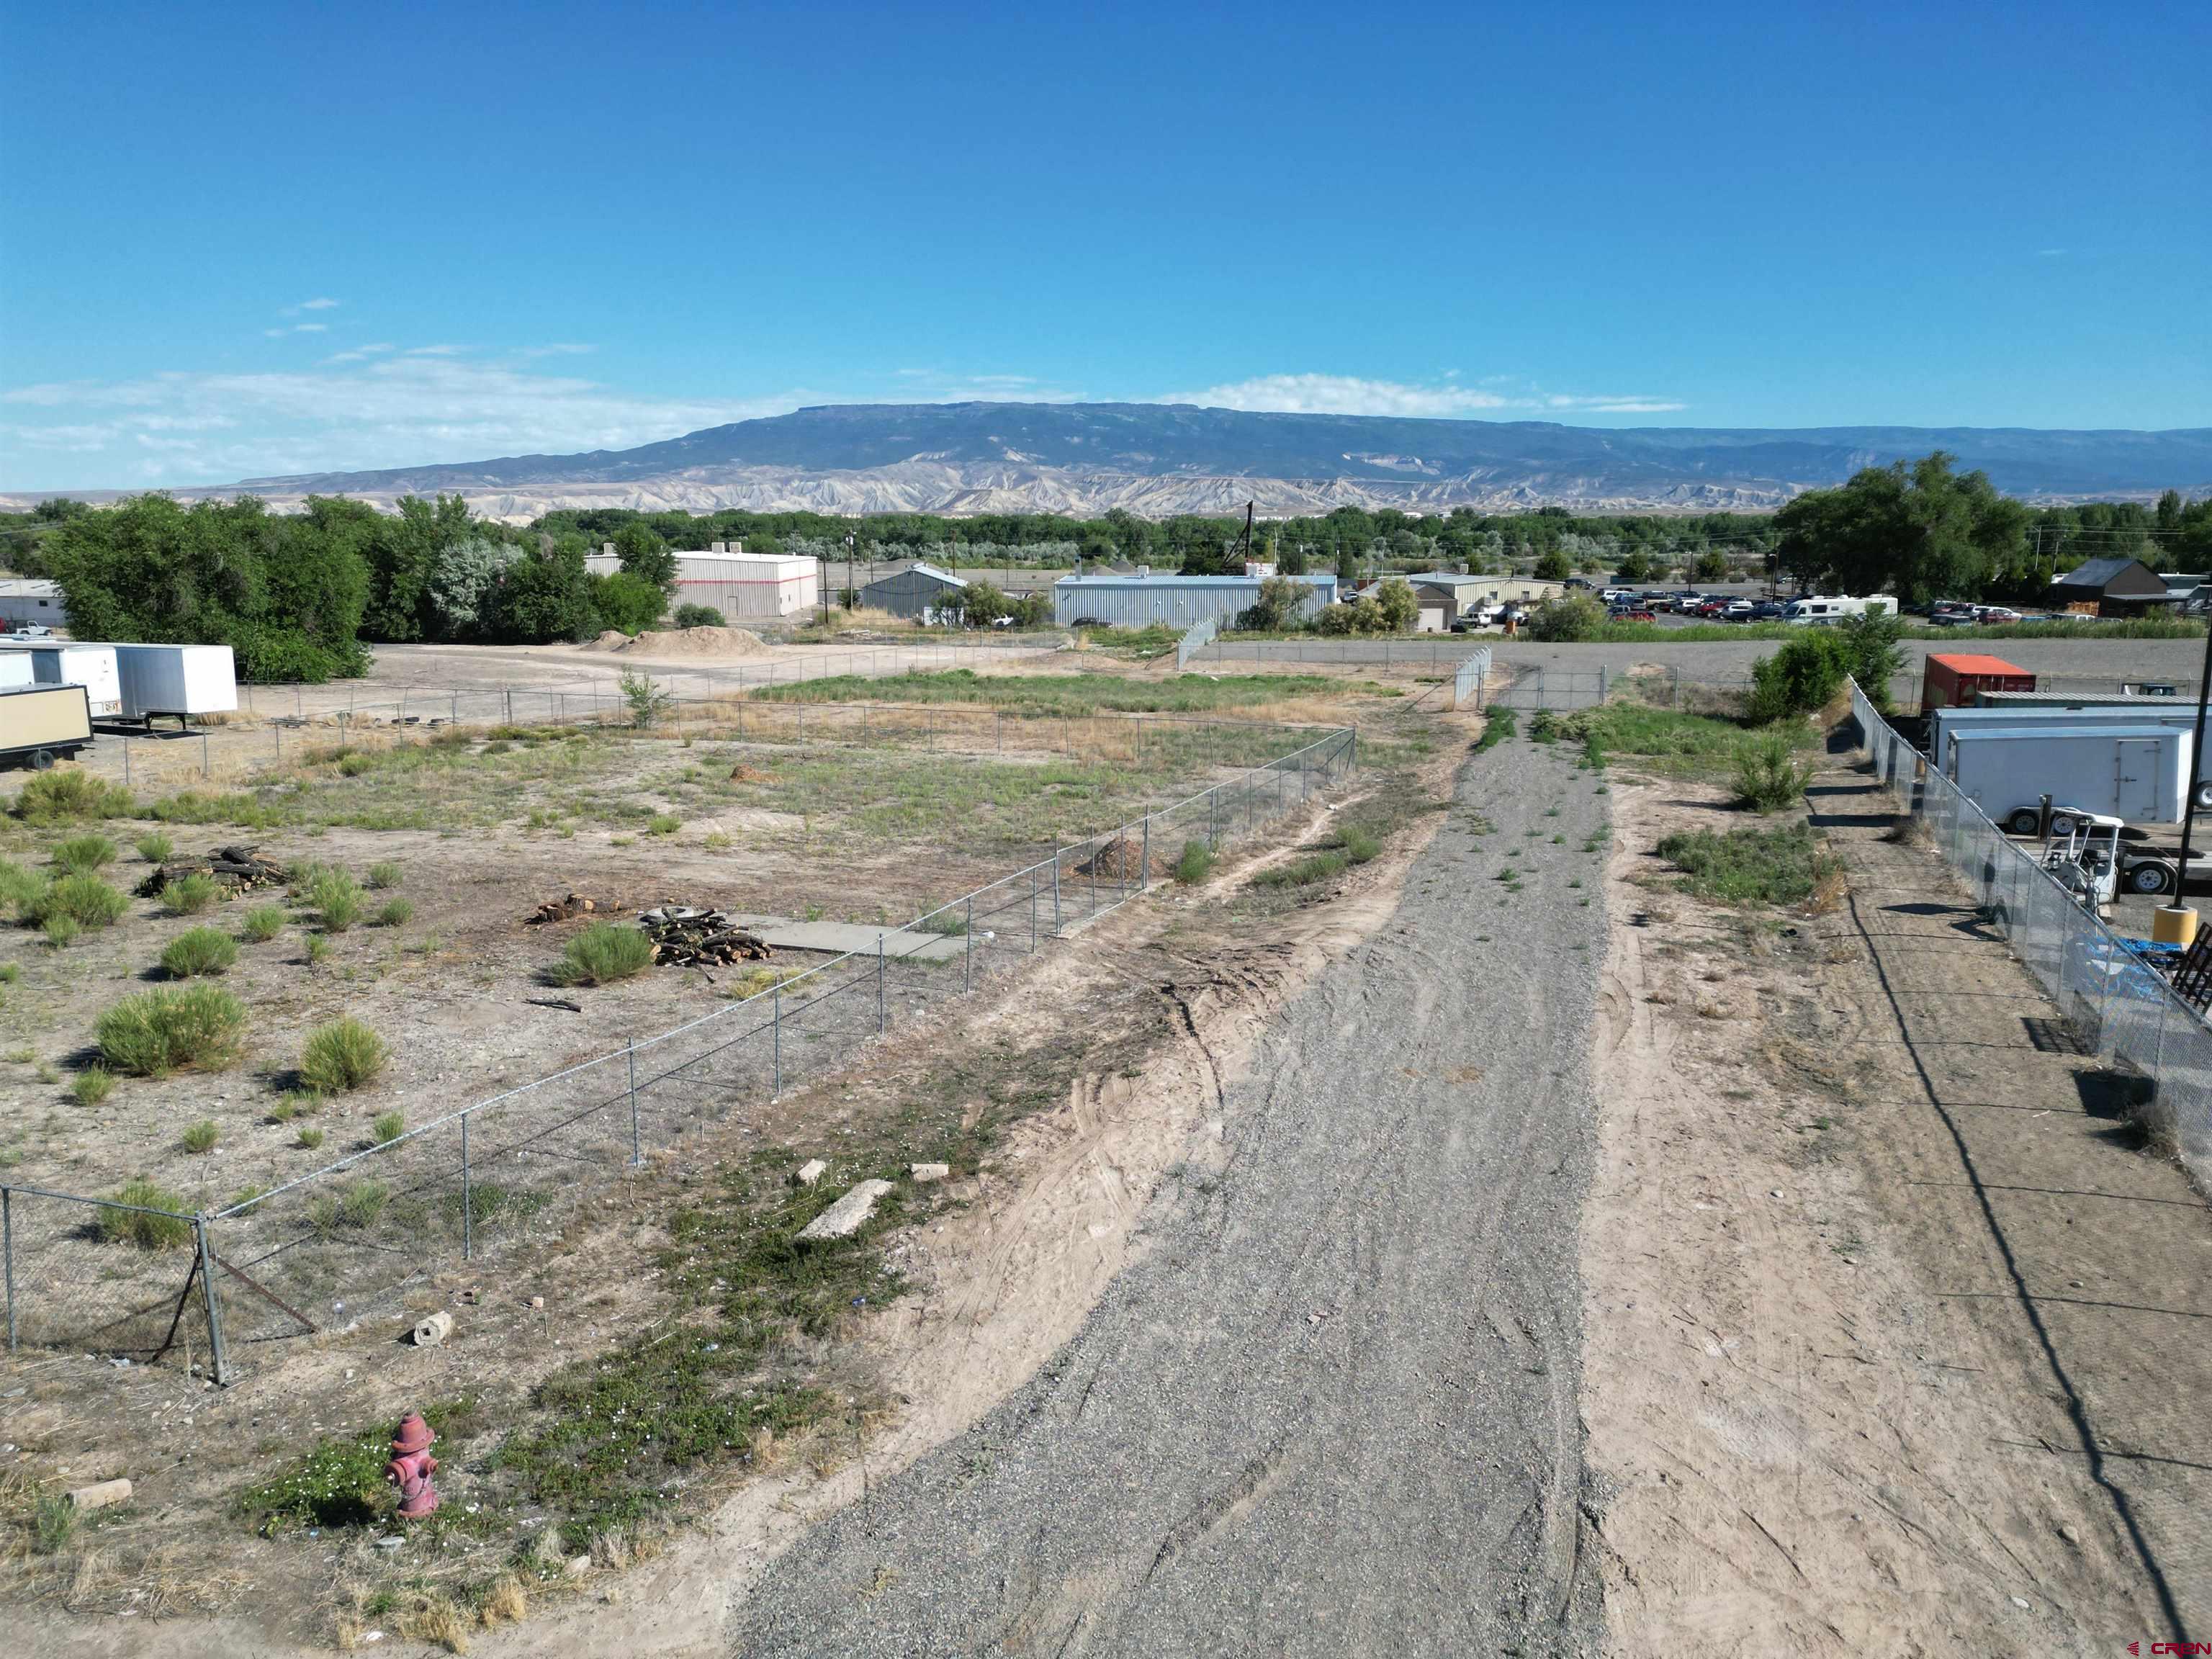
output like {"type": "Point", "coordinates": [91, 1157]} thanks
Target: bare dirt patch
{"type": "Point", "coordinates": [1822, 1411]}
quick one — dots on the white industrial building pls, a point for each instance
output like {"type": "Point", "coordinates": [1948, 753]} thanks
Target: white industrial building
{"type": "Point", "coordinates": [744, 586]}
{"type": "Point", "coordinates": [23, 599]}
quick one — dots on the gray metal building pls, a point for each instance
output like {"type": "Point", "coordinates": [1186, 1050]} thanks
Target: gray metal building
{"type": "Point", "coordinates": [915, 592]}
{"type": "Point", "coordinates": [1139, 600]}
{"type": "Point", "coordinates": [29, 599]}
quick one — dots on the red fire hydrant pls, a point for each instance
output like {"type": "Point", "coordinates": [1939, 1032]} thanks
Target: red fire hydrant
{"type": "Point", "coordinates": [411, 1467]}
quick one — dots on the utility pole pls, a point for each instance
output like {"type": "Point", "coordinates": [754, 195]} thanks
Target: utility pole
{"type": "Point", "coordinates": [852, 593]}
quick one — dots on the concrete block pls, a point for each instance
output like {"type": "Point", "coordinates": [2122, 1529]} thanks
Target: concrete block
{"type": "Point", "coordinates": [101, 1495]}
{"type": "Point", "coordinates": [843, 1219]}
{"type": "Point", "coordinates": [808, 1173]}
{"type": "Point", "coordinates": [925, 1172]}
{"type": "Point", "coordinates": [432, 1330]}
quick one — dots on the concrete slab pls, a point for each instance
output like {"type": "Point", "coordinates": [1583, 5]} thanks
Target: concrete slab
{"type": "Point", "coordinates": [843, 1219]}
{"type": "Point", "coordinates": [835, 937]}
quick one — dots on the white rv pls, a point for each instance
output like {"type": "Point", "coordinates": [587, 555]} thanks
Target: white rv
{"type": "Point", "coordinates": [1817, 610]}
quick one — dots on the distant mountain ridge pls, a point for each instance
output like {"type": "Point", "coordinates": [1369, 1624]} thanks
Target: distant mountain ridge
{"type": "Point", "coordinates": [1160, 459]}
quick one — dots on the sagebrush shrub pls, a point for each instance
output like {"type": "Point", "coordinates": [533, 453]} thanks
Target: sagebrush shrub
{"type": "Point", "coordinates": [156, 1032]}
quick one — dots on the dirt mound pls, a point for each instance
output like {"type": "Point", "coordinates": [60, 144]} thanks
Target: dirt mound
{"type": "Point", "coordinates": [1119, 860]}
{"type": "Point", "coordinates": [685, 642]}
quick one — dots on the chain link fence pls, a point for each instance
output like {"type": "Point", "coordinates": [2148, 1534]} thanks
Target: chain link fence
{"type": "Point", "coordinates": [2118, 1005]}
{"type": "Point", "coordinates": [511, 1173]}
{"type": "Point", "coordinates": [1196, 638]}
{"type": "Point", "coordinates": [1468, 682]}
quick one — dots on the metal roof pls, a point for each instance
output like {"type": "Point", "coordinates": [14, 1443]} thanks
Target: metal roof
{"type": "Point", "coordinates": [1182, 581]}
{"type": "Point", "coordinates": [2097, 572]}
{"type": "Point", "coordinates": [1969, 662]}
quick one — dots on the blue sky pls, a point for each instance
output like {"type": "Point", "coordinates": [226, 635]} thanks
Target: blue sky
{"type": "Point", "coordinates": [246, 239]}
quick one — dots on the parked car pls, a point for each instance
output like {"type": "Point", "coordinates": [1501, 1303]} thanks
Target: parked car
{"type": "Point", "coordinates": [30, 631]}
{"type": "Point", "coordinates": [1711, 608]}
{"type": "Point", "coordinates": [1768, 610]}
{"type": "Point", "coordinates": [1632, 613]}
{"type": "Point", "coordinates": [1737, 610]}
{"type": "Point", "coordinates": [1992, 615]}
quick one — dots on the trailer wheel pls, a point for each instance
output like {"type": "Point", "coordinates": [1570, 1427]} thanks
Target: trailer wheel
{"type": "Point", "coordinates": [2149, 878]}
{"type": "Point", "coordinates": [2062, 823]}
{"type": "Point", "coordinates": [2204, 795]}
{"type": "Point", "coordinates": [42, 760]}
{"type": "Point", "coordinates": [2024, 821]}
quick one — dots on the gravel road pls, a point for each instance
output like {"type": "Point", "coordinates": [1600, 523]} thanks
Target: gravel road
{"type": "Point", "coordinates": [1332, 1409]}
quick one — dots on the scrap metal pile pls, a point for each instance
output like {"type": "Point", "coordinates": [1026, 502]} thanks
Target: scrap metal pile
{"type": "Point", "coordinates": [233, 869]}
{"type": "Point", "coordinates": [685, 936]}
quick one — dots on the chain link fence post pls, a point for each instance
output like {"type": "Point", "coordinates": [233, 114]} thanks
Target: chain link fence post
{"type": "Point", "coordinates": [968, 962]}
{"type": "Point", "coordinates": [220, 1366]}
{"type": "Point", "coordinates": [7, 1252]}
{"type": "Point", "coordinates": [1145, 869]}
{"type": "Point", "coordinates": [776, 1021]}
{"type": "Point", "coordinates": [468, 1199]}
{"type": "Point", "coordinates": [882, 1017]}
{"type": "Point", "coordinates": [1055, 894]}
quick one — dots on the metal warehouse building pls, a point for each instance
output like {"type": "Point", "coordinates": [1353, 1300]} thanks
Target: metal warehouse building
{"type": "Point", "coordinates": [1142, 599]}
{"type": "Point", "coordinates": [23, 600]}
{"type": "Point", "coordinates": [743, 587]}
{"type": "Point", "coordinates": [915, 592]}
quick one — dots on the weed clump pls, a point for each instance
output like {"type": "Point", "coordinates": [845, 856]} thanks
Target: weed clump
{"type": "Point", "coordinates": [603, 953]}
{"type": "Point", "coordinates": [262, 923]}
{"type": "Point", "coordinates": [91, 1085]}
{"type": "Point", "coordinates": [383, 873]}
{"type": "Point", "coordinates": [1782, 865]}
{"type": "Point", "coordinates": [1497, 725]}
{"type": "Point", "coordinates": [1767, 778]}
{"type": "Point", "coordinates": [1193, 864]}
{"type": "Point", "coordinates": [337, 899]}
{"type": "Point", "coordinates": [71, 797]}
{"type": "Point", "coordinates": [388, 1126]}
{"type": "Point", "coordinates": [392, 913]}
{"type": "Point", "coordinates": [81, 855]}
{"type": "Point", "coordinates": [155, 848]}
{"type": "Point", "coordinates": [159, 1031]}
{"type": "Point", "coordinates": [85, 900]}
{"type": "Point", "coordinates": [135, 1227]}
{"type": "Point", "coordinates": [199, 951]}
{"type": "Point", "coordinates": [190, 895]}
{"type": "Point", "coordinates": [200, 1137]}
{"type": "Point", "coordinates": [342, 1056]}
{"type": "Point", "coordinates": [340, 1483]}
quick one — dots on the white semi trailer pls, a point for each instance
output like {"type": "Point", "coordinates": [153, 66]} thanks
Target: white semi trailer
{"type": "Point", "coordinates": [1943, 724]}
{"type": "Point", "coordinates": [2139, 774]}
{"type": "Point", "coordinates": [177, 682]}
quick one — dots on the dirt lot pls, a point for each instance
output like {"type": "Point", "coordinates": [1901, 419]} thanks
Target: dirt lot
{"type": "Point", "coordinates": [482, 829]}
{"type": "Point", "coordinates": [1889, 1299]}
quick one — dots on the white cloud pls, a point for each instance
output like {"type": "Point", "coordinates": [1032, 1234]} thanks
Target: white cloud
{"type": "Point", "coordinates": [435, 350]}
{"type": "Point", "coordinates": [317, 304]}
{"type": "Point", "coordinates": [360, 354]}
{"type": "Point", "coordinates": [394, 409]}
{"type": "Point", "coordinates": [297, 328]}
{"type": "Point", "coordinates": [558, 349]}
{"type": "Point", "coordinates": [1346, 394]}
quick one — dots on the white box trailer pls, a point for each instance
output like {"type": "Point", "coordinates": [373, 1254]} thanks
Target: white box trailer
{"type": "Point", "coordinates": [1944, 723]}
{"type": "Point", "coordinates": [42, 724]}
{"type": "Point", "coordinates": [15, 669]}
{"type": "Point", "coordinates": [2136, 772]}
{"type": "Point", "coordinates": [177, 681]}
{"type": "Point", "coordinates": [73, 662]}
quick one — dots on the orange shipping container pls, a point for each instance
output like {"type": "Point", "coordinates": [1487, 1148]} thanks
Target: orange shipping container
{"type": "Point", "coordinates": [1953, 679]}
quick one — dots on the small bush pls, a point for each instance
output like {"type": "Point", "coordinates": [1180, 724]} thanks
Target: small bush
{"type": "Point", "coordinates": [1576, 617]}
{"type": "Point", "coordinates": [1358, 845]}
{"type": "Point", "coordinates": [1193, 864]}
{"type": "Point", "coordinates": [200, 1137]}
{"type": "Point", "coordinates": [71, 797]}
{"type": "Point", "coordinates": [338, 899]}
{"type": "Point", "coordinates": [262, 923]}
{"type": "Point", "coordinates": [198, 951]}
{"type": "Point", "coordinates": [338, 1484]}
{"type": "Point", "coordinates": [663, 824]}
{"type": "Point", "coordinates": [1767, 778]}
{"type": "Point", "coordinates": [147, 1232]}
{"type": "Point", "coordinates": [155, 848]}
{"type": "Point", "coordinates": [20, 887]}
{"type": "Point", "coordinates": [384, 874]}
{"type": "Point", "coordinates": [307, 1139]}
{"type": "Point", "coordinates": [190, 895]}
{"type": "Point", "coordinates": [62, 932]}
{"type": "Point", "coordinates": [1497, 725]}
{"type": "Point", "coordinates": [340, 1056]}
{"type": "Point", "coordinates": [91, 1085]}
{"type": "Point", "coordinates": [388, 1126]}
{"type": "Point", "coordinates": [159, 1031]}
{"type": "Point", "coordinates": [54, 1523]}
{"type": "Point", "coordinates": [319, 949]}
{"type": "Point", "coordinates": [81, 855]}
{"type": "Point", "coordinates": [85, 900]}
{"type": "Point", "coordinates": [698, 616]}
{"type": "Point", "coordinates": [392, 913]}
{"type": "Point", "coordinates": [603, 953]}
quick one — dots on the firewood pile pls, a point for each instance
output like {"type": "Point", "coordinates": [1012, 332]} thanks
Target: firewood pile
{"type": "Point", "coordinates": [685, 936]}
{"type": "Point", "coordinates": [562, 909]}
{"type": "Point", "coordinates": [233, 869]}
{"type": "Point", "coordinates": [1119, 860]}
